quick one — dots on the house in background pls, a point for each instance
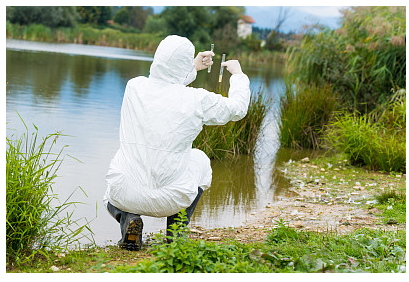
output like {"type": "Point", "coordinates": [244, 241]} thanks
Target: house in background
{"type": "Point", "coordinates": [244, 26]}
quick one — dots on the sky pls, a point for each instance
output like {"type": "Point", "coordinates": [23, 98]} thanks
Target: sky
{"type": "Point", "coordinates": [265, 16]}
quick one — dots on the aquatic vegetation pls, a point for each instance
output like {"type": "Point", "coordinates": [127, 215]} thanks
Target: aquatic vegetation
{"type": "Point", "coordinates": [234, 138]}
{"type": "Point", "coordinates": [35, 223]}
{"type": "Point", "coordinates": [376, 140]}
{"type": "Point", "coordinates": [304, 111]}
{"type": "Point", "coordinates": [363, 59]}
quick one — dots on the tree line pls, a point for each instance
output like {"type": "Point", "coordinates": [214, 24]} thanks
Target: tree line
{"type": "Point", "coordinates": [201, 24]}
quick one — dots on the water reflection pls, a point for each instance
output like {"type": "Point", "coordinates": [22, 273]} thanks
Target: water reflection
{"type": "Point", "coordinates": [82, 96]}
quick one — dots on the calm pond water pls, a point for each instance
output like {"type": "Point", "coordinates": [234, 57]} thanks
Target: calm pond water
{"type": "Point", "coordinates": [78, 89]}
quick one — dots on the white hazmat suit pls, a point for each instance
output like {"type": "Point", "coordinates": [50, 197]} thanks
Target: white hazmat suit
{"type": "Point", "coordinates": [156, 172]}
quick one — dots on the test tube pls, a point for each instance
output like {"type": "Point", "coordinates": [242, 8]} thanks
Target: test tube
{"type": "Point", "coordinates": [209, 68]}
{"type": "Point", "coordinates": [221, 68]}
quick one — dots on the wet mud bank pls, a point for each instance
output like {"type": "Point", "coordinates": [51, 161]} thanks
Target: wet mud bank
{"type": "Point", "coordinates": [328, 195]}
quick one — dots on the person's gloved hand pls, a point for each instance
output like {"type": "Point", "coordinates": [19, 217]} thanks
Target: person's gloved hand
{"type": "Point", "coordinates": [203, 60]}
{"type": "Point", "coordinates": [233, 66]}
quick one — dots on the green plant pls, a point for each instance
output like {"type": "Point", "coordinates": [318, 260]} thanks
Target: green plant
{"type": "Point", "coordinates": [304, 111]}
{"type": "Point", "coordinates": [361, 251]}
{"type": "Point", "coordinates": [34, 221]}
{"type": "Point", "coordinates": [234, 138]}
{"type": "Point", "coordinates": [363, 59]}
{"type": "Point", "coordinates": [392, 203]}
{"type": "Point", "coordinates": [376, 140]}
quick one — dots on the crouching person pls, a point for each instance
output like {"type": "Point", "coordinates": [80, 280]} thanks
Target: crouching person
{"type": "Point", "coordinates": [156, 172]}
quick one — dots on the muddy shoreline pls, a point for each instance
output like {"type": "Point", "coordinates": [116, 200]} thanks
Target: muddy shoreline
{"type": "Point", "coordinates": [329, 197]}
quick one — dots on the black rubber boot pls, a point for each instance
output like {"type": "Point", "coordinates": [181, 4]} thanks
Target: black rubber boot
{"type": "Point", "coordinates": [131, 228]}
{"type": "Point", "coordinates": [132, 233]}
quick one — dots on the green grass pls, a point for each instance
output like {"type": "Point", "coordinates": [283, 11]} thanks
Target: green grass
{"type": "Point", "coordinates": [376, 140]}
{"type": "Point", "coordinates": [285, 250]}
{"type": "Point", "coordinates": [392, 204]}
{"type": "Point", "coordinates": [362, 251]}
{"type": "Point", "coordinates": [35, 222]}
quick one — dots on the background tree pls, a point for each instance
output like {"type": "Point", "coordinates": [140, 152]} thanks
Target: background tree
{"type": "Point", "coordinates": [192, 22]}
{"type": "Point", "coordinates": [273, 41]}
{"type": "Point", "coordinates": [224, 27]}
{"type": "Point", "coordinates": [155, 24]}
{"type": "Point", "coordinates": [133, 16]}
{"type": "Point", "coordinates": [121, 16]}
{"type": "Point", "coordinates": [51, 16]}
{"type": "Point", "coordinates": [98, 15]}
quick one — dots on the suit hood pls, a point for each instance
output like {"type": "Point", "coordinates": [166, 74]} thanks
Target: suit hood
{"type": "Point", "coordinates": [173, 60]}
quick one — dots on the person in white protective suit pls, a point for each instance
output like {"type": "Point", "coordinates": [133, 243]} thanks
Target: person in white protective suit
{"type": "Point", "coordinates": [156, 172]}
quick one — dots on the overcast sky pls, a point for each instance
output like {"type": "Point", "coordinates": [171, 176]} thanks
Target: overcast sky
{"type": "Point", "coordinates": [266, 16]}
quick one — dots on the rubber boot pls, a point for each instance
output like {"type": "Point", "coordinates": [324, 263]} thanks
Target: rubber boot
{"type": "Point", "coordinates": [131, 228]}
{"type": "Point", "coordinates": [131, 233]}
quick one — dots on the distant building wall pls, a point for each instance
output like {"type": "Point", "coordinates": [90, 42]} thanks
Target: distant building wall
{"type": "Point", "coordinates": [244, 29]}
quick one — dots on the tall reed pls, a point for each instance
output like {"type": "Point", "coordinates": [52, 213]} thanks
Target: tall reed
{"type": "Point", "coordinates": [304, 111]}
{"type": "Point", "coordinates": [376, 140]}
{"type": "Point", "coordinates": [34, 223]}
{"type": "Point", "coordinates": [234, 138]}
{"type": "Point", "coordinates": [363, 59]}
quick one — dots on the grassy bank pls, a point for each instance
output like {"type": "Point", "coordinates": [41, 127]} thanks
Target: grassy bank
{"type": "Point", "coordinates": [281, 244]}
{"type": "Point", "coordinates": [84, 34]}
{"type": "Point", "coordinates": [36, 222]}
{"type": "Point", "coordinates": [112, 37]}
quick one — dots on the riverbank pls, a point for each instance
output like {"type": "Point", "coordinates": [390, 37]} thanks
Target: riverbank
{"type": "Point", "coordinates": [110, 37]}
{"type": "Point", "coordinates": [332, 200]}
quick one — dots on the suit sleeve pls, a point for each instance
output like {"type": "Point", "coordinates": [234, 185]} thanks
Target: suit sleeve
{"type": "Point", "coordinates": [218, 110]}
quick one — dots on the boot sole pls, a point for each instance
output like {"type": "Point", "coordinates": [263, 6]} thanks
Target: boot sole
{"type": "Point", "coordinates": [133, 233]}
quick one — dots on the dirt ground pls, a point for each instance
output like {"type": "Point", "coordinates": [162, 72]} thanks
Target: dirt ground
{"type": "Point", "coordinates": [329, 197]}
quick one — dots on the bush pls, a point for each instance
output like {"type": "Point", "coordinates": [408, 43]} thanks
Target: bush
{"type": "Point", "coordinates": [363, 59]}
{"type": "Point", "coordinates": [304, 111]}
{"type": "Point", "coordinates": [33, 222]}
{"type": "Point", "coordinates": [376, 140]}
{"type": "Point", "coordinates": [57, 16]}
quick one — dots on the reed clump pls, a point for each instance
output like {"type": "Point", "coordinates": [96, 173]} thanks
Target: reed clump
{"type": "Point", "coordinates": [363, 59]}
{"type": "Point", "coordinates": [376, 140]}
{"type": "Point", "coordinates": [234, 138]}
{"type": "Point", "coordinates": [304, 111]}
{"type": "Point", "coordinates": [35, 222]}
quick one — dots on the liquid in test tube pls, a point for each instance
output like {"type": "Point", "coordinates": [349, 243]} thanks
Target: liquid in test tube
{"type": "Point", "coordinates": [221, 68]}
{"type": "Point", "coordinates": [209, 68]}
